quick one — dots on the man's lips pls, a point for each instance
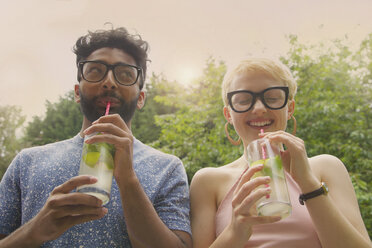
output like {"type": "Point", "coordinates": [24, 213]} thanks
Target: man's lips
{"type": "Point", "coordinates": [104, 100]}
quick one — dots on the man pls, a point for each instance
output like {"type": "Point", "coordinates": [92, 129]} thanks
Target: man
{"type": "Point", "coordinates": [149, 198]}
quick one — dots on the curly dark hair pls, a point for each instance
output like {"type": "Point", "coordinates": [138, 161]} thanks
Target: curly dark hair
{"type": "Point", "coordinates": [115, 38]}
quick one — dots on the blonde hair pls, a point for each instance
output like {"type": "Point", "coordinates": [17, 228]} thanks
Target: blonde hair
{"type": "Point", "coordinates": [274, 69]}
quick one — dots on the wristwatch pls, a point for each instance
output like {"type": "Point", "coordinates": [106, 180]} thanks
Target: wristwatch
{"type": "Point", "coordinates": [323, 190]}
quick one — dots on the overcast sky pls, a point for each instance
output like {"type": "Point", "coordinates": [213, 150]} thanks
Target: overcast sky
{"type": "Point", "coordinates": [37, 36]}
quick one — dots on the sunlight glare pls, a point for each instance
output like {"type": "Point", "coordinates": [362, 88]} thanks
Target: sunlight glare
{"type": "Point", "coordinates": [185, 75]}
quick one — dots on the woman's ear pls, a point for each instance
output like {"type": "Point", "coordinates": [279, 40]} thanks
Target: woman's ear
{"type": "Point", "coordinates": [291, 108]}
{"type": "Point", "coordinates": [77, 93]}
{"type": "Point", "coordinates": [226, 113]}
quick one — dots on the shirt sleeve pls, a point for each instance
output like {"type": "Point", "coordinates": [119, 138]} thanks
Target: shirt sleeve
{"type": "Point", "coordinates": [10, 199]}
{"type": "Point", "coordinates": [173, 204]}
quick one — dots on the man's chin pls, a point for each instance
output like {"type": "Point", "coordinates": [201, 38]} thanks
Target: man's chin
{"type": "Point", "coordinates": [92, 118]}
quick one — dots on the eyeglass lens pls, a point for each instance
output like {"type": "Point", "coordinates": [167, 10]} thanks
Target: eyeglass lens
{"type": "Point", "coordinates": [95, 72]}
{"type": "Point", "coordinates": [272, 98]}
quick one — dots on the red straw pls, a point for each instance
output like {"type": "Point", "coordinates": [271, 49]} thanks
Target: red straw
{"type": "Point", "coordinates": [263, 149]}
{"type": "Point", "coordinates": [264, 157]}
{"type": "Point", "coordinates": [108, 108]}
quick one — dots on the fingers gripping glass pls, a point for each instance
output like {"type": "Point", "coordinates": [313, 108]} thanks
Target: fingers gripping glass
{"type": "Point", "coordinates": [243, 100]}
{"type": "Point", "coordinates": [95, 71]}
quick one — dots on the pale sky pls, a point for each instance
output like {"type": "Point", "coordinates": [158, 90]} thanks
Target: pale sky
{"type": "Point", "coordinates": [37, 36]}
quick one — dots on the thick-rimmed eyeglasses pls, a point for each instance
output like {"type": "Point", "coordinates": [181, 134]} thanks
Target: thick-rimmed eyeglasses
{"type": "Point", "coordinates": [243, 100]}
{"type": "Point", "coordinates": [95, 71]}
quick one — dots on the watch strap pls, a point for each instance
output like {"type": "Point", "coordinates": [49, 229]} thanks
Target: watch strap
{"type": "Point", "coordinates": [323, 190]}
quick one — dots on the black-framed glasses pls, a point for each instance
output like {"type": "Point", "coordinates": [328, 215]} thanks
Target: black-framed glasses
{"type": "Point", "coordinates": [95, 71]}
{"type": "Point", "coordinates": [243, 100]}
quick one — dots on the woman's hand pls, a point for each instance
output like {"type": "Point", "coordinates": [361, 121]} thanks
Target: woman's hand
{"type": "Point", "coordinates": [295, 160]}
{"type": "Point", "coordinates": [248, 191]}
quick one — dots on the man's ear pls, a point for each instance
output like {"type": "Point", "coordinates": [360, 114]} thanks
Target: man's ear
{"type": "Point", "coordinates": [226, 113]}
{"type": "Point", "coordinates": [291, 108]}
{"type": "Point", "coordinates": [141, 100]}
{"type": "Point", "coordinates": [77, 93]}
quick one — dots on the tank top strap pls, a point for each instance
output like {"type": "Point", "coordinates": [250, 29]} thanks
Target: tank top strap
{"type": "Point", "coordinates": [223, 214]}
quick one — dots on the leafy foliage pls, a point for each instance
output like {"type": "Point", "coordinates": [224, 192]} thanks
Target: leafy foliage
{"type": "Point", "coordinates": [11, 120]}
{"type": "Point", "coordinates": [333, 108]}
{"type": "Point", "coordinates": [62, 121]}
{"type": "Point", "coordinates": [195, 132]}
{"type": "Point", "coordinates": [161, 97]}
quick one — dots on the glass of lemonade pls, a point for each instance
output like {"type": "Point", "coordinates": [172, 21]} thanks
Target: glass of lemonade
{"type": "Point", "coordinates": [97, 160]}
{"type": "Point", "coordinates": [260, 151]}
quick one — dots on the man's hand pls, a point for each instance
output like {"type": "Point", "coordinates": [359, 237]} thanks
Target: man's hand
{"type": "Point", "coordinates": [114, 130]}
{"type": "Point", "coordinates": [145, 228]}
{"type": "Point", "coordinates": [61, 211]}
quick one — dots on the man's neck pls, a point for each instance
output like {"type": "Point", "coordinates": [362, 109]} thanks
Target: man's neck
{"type": "Point", "coordinates": [85, 125]}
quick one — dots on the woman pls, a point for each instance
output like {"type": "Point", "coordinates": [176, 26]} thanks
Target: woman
{"type": "Point", "coordinates": [259, 94]}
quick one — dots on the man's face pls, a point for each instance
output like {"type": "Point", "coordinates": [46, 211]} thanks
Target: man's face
{"type": "Point", "coordinates": [93, 97]}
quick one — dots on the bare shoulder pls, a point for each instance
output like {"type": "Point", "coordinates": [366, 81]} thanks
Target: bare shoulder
{"type": "Point", "coordinates": [212, 172]}
{"type": "Point", "coordinates": [332, 171]}
{"type": "Point", "coordinates": [204, 191]}
{"type": "Point", "coordinates": [214, 183]}
{"type": "Point", "coordinates": [209, 176]}
{"type": "Point", "coordinates": [326, 158]}
{"type": "Point", "coordinates": [326, 164]}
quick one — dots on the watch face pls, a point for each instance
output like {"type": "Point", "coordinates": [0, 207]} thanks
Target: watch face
{"type": "Point", "coordinates": [325, 188]}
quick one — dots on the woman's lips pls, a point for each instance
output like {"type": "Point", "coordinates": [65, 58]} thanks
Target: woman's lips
{"type": "Point", "coordinates": [260, 123]}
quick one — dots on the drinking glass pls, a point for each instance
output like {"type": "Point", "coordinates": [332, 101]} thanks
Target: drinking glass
{"type": "Point", "coordinates": [97, 160]}
{"type": "Point", "coordinates": [260, 151]}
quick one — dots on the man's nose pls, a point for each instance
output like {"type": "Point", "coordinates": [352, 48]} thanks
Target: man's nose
{"type": "Point", "coordinates": [109, 82]}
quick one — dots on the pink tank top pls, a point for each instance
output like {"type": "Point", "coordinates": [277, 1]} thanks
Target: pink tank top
{"type": "Point", "coordinates": [297, 230]}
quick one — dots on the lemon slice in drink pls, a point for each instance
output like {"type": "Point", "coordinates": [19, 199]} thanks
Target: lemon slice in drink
{"type": "Point", "coordinates": [261, 161]}
{"type": "Point", "coordinates": [91, 158]}
{"type": "Point", "coordinates": [258, 173]}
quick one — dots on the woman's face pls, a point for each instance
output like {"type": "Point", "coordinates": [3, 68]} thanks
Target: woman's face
{"type": "Point", "coordinates": [248, 124]}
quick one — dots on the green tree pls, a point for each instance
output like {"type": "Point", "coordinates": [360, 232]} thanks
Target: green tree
{"type": "Point", "coordinates": [11, 120]}
{"type": "Point", "coordinates": [195, 132]}
{"type": "Point", "coordinates": [159, 91]}
{"type": "Point", "coordinates": [333, 108]}
{"type": "Point", "coordinates": [62, 120]}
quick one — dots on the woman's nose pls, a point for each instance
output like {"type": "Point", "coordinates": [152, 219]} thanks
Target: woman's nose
{"type": "Point", "coordinates": [259, 107]}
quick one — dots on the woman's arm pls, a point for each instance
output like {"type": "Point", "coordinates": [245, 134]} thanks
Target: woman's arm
{"type": "Point", "coordinates": [203, 208]}
{"type": "Point", "coordinates": [203, 192]}
{"type": "Point", "coordinates": [336, 216]}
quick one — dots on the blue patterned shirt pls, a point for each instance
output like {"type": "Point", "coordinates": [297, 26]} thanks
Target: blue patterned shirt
{"type": "Point", "coordinates": [36, 171]}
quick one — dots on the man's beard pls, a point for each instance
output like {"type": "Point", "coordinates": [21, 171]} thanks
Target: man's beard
{"type": "Point", "coordinates": [92, 112]}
